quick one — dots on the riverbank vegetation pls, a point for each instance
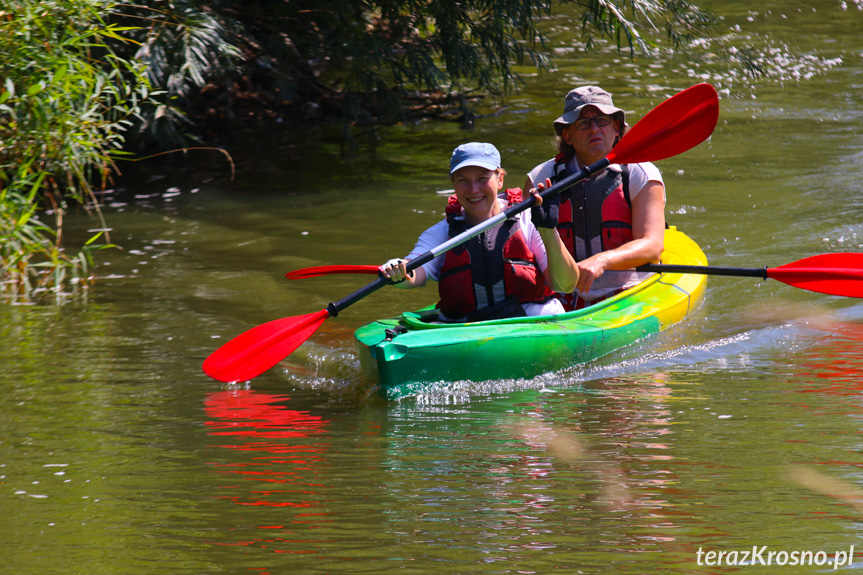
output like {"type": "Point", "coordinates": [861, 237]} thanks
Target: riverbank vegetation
{"type": "Point", "coordinates": [66, 99]}
{"type": "Point", "coordinates": [87, 83]}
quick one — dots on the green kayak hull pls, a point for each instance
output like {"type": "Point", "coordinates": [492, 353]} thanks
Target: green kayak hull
{"type": "Point", "coordinates": [400, 353]}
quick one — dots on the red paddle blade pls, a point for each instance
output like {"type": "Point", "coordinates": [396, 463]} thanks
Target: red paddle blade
{"type": "Point", "coordinates": [834, 274]}
{"type": "Point", "coordinates": [326, 270]}
{"type": "Point", "coordinates": [673, 127]}
{"type": "Point", "coordinates": [253, 352]}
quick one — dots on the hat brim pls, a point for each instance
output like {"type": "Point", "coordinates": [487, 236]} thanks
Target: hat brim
{"type": "Point", "coordinates": [478, 163]}
{"type": "Point", "coordinates": [571, 116]}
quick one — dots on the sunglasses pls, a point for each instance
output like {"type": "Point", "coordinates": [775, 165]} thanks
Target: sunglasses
{"type": "Point", "coordinates": [584, 123]}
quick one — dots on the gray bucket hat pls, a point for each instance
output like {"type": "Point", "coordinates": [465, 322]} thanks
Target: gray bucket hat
{"type": "Point", "coordinates": [587, 96]}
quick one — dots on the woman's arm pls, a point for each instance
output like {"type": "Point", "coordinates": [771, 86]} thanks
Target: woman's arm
{"type": "Point", "coordinates": [648, 231]}
{"type": "Point", "coordinates": [561, 273]}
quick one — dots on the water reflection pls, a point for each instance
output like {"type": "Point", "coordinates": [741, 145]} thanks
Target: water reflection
{"type": "Point", "coordinates": [836, 363]}
{"type": "Point", "coordinates": [829, 378]}
{"type": "Point", "coordinates": [569, 471]}
{"type": "Point", "coordinates": [279, 453]}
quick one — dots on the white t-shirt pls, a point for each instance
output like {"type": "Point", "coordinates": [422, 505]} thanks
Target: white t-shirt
{"type": "Point", "coordinates": [639, 175]}
{"type": "Point", "coordinates": [439, 233]}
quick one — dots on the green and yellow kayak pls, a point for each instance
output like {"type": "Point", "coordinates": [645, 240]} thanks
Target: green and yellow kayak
{"type": "Point", "coordinates": [401, 352]}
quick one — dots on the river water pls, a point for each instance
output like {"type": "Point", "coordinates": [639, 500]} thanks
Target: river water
{"type": "Point", "coordinates": [738, 428]}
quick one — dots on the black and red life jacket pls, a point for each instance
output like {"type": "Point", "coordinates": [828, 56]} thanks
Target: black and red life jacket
{"type": "Point", "coordinates": [492, 274]}
{"type": "Point", "coordinates": [596, 214]}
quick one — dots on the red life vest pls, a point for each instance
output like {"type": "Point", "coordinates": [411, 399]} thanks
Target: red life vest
{"type": "Point", "coordinates": [595, 215]}
{"type": "Point", "coordinates": [492, 274]}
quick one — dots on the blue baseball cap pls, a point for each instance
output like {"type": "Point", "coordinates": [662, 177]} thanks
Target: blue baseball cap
{"type": "Point", "coordinates": [475, 154]}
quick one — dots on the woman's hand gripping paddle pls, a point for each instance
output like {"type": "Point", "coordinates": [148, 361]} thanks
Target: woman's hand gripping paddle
{"type": "Point", "coordinates": [675, 126]}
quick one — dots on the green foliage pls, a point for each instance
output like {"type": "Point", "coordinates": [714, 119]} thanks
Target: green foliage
{"type": "Point", "coordinates": [623, 21]}
{"type": "Point", "coordinates": [373, 61]}
{"type": "Point", "coordinates": [80, 80]}
{"type": "Point", "coordinates": [65, 101]}
{"type": "Point", "coordinates": [182, 46]}
{"type": "Point", "coordinates": [364, 59]}
{"type": "Point", "coordinates": [361, 61]}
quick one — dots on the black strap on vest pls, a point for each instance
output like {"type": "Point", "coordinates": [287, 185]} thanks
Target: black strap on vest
{"type": "Point", "coordinates": [488, 244]}
{"type": "Point", "coordinates": [624, 176]}
{"type": "Point", "coordinates": [561, 171]}
{"type": "Point", "coordinates": [487, 264]}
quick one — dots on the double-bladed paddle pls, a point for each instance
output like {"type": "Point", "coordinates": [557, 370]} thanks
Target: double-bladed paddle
{"type": "Point", "coordinates": [673, 127]}
{"type": "Point", "coordinates": [834, 274]}
{"type": "Point", "coordinates": [317, 271]}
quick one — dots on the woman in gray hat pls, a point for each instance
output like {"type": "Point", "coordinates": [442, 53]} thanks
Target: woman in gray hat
{"type": "Point", "coordinates": [505, 271]}
{"type": "Point", "coordinates": [616, 220]}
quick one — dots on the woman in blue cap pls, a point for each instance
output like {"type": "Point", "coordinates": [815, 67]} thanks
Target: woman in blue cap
{"type": "Point", "coordinates": [509, 270]}
{"type": "Point", "coordinates": [614, 221]}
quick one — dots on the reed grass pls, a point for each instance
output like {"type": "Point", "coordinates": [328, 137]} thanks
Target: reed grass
{"type": "Point", "coordinates": [66, 99]}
